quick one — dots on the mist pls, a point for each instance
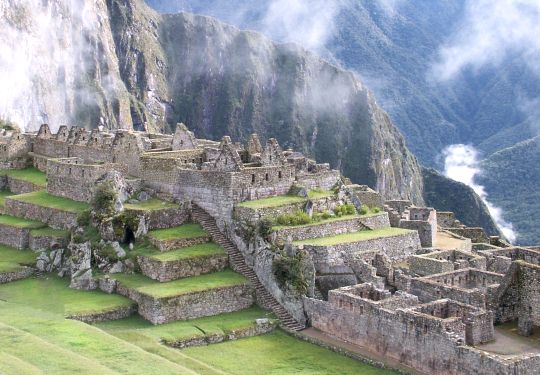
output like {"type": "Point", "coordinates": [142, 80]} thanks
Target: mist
{"type": "Point", "coordinates": [461, 164]}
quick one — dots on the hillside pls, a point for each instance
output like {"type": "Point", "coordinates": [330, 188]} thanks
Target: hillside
{"type": "Point", "coordinates": [511, 176]}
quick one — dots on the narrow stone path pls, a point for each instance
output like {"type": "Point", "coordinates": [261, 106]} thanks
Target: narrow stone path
{"type": "Point", "coordinates": [239, 265]}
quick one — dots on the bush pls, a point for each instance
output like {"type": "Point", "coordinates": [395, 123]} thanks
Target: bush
{"type": "Point", "coordinates": [364, 210]}
{"type": "Point", "coordinates": [265, 228]}
{"type": "Point", "coordinates": [297, 218]}
{"type": "Point", "coordinates": [289, 270]}
{"type": "Point", "coordinates": [84, 218]}
{"type": "Point", "coordinates": [350, 209]}
{"type": "Point", "coordinates": [345, 209]}
{"type": "Point", "coordinates": [104, 201]}
{"type": "Point", "coordinates": [376, 210]}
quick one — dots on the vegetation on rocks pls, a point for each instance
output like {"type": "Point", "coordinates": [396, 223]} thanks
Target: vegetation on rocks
{"type": "Point", "coordinates": [289, 272]}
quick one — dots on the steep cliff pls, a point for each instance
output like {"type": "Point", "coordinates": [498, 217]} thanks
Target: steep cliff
{"type": "Point", "coordinates": [220, 80]}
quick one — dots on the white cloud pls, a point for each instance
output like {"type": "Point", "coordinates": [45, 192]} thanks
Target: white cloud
{"type": "Point", "coordinates": [308, 23]}
{"type": "Point", "coordinates": [490, 32]}
{"type": "Point", "coordinates": [461, 164]}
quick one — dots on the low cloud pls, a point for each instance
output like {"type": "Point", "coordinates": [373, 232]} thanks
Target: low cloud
{"type": "Point", "coordinates": [461, 164]}
{"type": "Point", "coordinates": [490, 32]}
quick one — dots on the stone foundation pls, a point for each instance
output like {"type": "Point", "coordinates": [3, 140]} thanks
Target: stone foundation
{"type": "Point", "coordinates": [14, 237]}
{"type": "Point", "coordinates": [54, 218]}
{"type": "Point", "coordinates": [173, 270]}
{"type": "Point", "coordinates": [177, 243]}
{"type": "Point", "coordinates": [120, 313]}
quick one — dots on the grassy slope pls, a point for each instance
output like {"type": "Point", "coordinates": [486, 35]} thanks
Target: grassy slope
{"type": "Point", "coordinates": [183, 231]}
{"type": "Point", "coordinates": [354, 237]}
{"type": "Point", "coordinates": [49, 232]}
{"type": "Point", "coordinates": [12, 259]}
{"type": "Point", "coordinates": [283, 200]}
{"type": "Point", "coordinates": [183, 286]}
{"type": "Point", "coordinates": [278, 353]}
{"type": "Point", "coordinates": [20, 223]}
{"type": "Point", "coordinates": [42, 198]}
{"type": "Point", "coordinates": [204, 250]}
{"type": "Point", "coordinates": [54, 295]}
{"type": "Point", "coordinates": [150, 205]}
{"type": "Point", "coordinates": [182, 330]}
{"type": "Point", "coordinates": [3, 195]}
{"type": "Point", "coordinates": [32, 175]}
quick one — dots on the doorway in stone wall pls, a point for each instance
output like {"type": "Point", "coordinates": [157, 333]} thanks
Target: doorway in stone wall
{"type": "Point", "coordinates": [129, 236]}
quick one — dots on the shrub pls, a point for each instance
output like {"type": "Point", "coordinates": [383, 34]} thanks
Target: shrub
{"type": "Point", "coordinates": [104, 201]}
{"type": "Point", "coordinates": [326, 215]}
{"type": "Point", "coordinates": [376, 210]}
{"type": "Point", "coordinates": [265, 227]}
{"type": "Point", "coordinates": [296, 218]}
{"type": "Point", "coordinates": [84, 218]}
{"type": "Point", "coordinates": [364, 210]}
{"type": "Point", "coordinates": [289, 270]}
{"type": "Point", "coordinates": [350, 209]}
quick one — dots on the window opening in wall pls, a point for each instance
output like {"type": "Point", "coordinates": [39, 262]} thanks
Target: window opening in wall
{"type": "Point", "coordinates": [266, 177]}
{"type": "Point", "coordinates": [252, 178]}
{"type": "Point", "coordinates": [280, 174]}
{"type": "Point", "coordinates": [70, 171]}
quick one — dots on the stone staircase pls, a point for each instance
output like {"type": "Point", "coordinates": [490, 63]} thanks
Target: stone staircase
{"type": "Point", "coordinates": [238, 263]}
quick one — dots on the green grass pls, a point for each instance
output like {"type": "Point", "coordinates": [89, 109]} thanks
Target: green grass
{"type": "Point", "coordinates": [183, 231]}
{"type": "Point", "coordinates": [32, 175]}
{"type": "Point", "coordinates": [330, 220]}
{"type": "Point", "coordinates": [49, 232]}
{"type": "Point", "coordinates": [12, 259]}
{"type": "Point", "coordinates": [183, 330]}
{"type": "Point", "coordinates": [53, 294]}
{"type": "Point", "coordinates": [278, 353]}
{"type": "Point", "coordinates": [205, 250]}
{"type": "Point", "coordinates": [150, 205]}
{"type": "Point", "coordinates": [363, 235]}
{"type": "Point", "coordinates": [188, 285]}
{"type": "Point", "coordinates": [38, 341]}
{"type": "Point", "coordinates": [44, 199]}
{"type": "Point", "coordinates": [3, 195]}
{"type": "Point", "coordinates": [20, 223]}
{"type": "Point", "coordinates": [283, 200]}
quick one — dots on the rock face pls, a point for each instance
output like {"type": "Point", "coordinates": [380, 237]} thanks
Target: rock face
{"type": "Point", "coordinates": [146, 71]}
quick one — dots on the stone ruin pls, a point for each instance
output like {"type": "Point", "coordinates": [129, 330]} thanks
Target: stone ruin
{"type": "Point", "coordinates": [428, 292]}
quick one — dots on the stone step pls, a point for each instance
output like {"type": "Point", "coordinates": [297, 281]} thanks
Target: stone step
{"type": "Point", "coordinates": [188, 298]}
{"type": "Point", "coordinates": [184, 262]}
{"type": "Point", "coordinates": [238, 263]}
{"type": "Point", "coordinates": [185, 235]}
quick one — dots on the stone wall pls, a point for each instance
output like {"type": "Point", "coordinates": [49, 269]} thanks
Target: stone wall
{"type": "Point", "coordinates": [173, 270]}
{"type": "Point", "coordinates": [22, 273]}
{"type": "Point", "coordinates": [476, 235]}
{"type": "Point", "coordinates": [18, 186]}
{"type": "Point", "coordinates": [414, 339]}
{"type": "Point", "coordinates": [333, 259]}
{"type": "Point", "coordinates": [191, 306]}
{"type": "Point", "coordinates": [445, 261]}
{"type": "Point", "coordinates": [116, 314]}
{"type": "Point", "coordinates": [320, 229]}
{"type": "Point", "coordinates": [163, 218]}
{"type": "Point", "coordinates": [424, 229]}
{"type": "Point", "coordinates": [445, 219]}
{"type": "Point", "coordinates": [52, 217]}
{"type": "Point", "coordinates": [39, 242]}
{"type": "Point", "coordinates": [176, 243]}
{"type": "Point", "coordinates": [14, 237]}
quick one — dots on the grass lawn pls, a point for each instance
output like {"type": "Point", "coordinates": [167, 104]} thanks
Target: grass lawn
{"type": "Point", "coordinates": [44, 199]}
{"type": "Point", "coordinates": [49, 232]}
{"type": "Point", "coordinates": [183, 231]}
{"type": "Point", "coordinates": [278, 353]}
{"type": "Point", "coordinates": [150, 205]}
{"type": "Point", "coordinates": [3, 195]}
{"type": "Point", "coordinates": [205, 250]}
{"type": "Point", "coordinates": [41, 342]}
{"type": "Point", "coordinates": [183, 330]}
{"type": "Point", "coordinates": [32, 175]}
{"type": "Point", "coordinates": [20, 223]}
{"type": "Point", "coordinates": [188, 285]}
{"type": "Point", "coordinates": [363, 235]}
{"type": "Point", "coordinates": [12, 259]}
{"type": "Point", "coordinates": [53, 294]}
{"type": "Point", "coordinates": [283, 200]}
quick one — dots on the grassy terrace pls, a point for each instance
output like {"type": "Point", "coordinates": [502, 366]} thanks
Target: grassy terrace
{"type": "Point", "coordinates": [279, 354]}
{"type": "Point", "coordinates": [183, 231]}
{"type": "Point", "coordinates": [3, 195]}
{"type": "Point", "coordinates": [188, 285]}
{"type": "Point", "coordinates": [204, 250]}
{"type": "Point", "coordinates": [44, 199]}
{"type": "Point", "coordinates": [150, 205]}
{"type": "Point", "coordinates": [20, 223]}
{"type": "Point", "coordinates": [283, 200]}
{"type": "Point", "coordinates": [183, 330]}
{"type": "Point", "coordinates": [363, 235]}
{"type": "Point", "coordinates": [54, 295]}
{"type": "Point", "coordinates": [49, 232]}
{"type": "Point", "coordinates": [12, 259]}
{"type": "Point", "coordinates": [330, 220]}
{"type": "Point", "coordinates": [32, 175]}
